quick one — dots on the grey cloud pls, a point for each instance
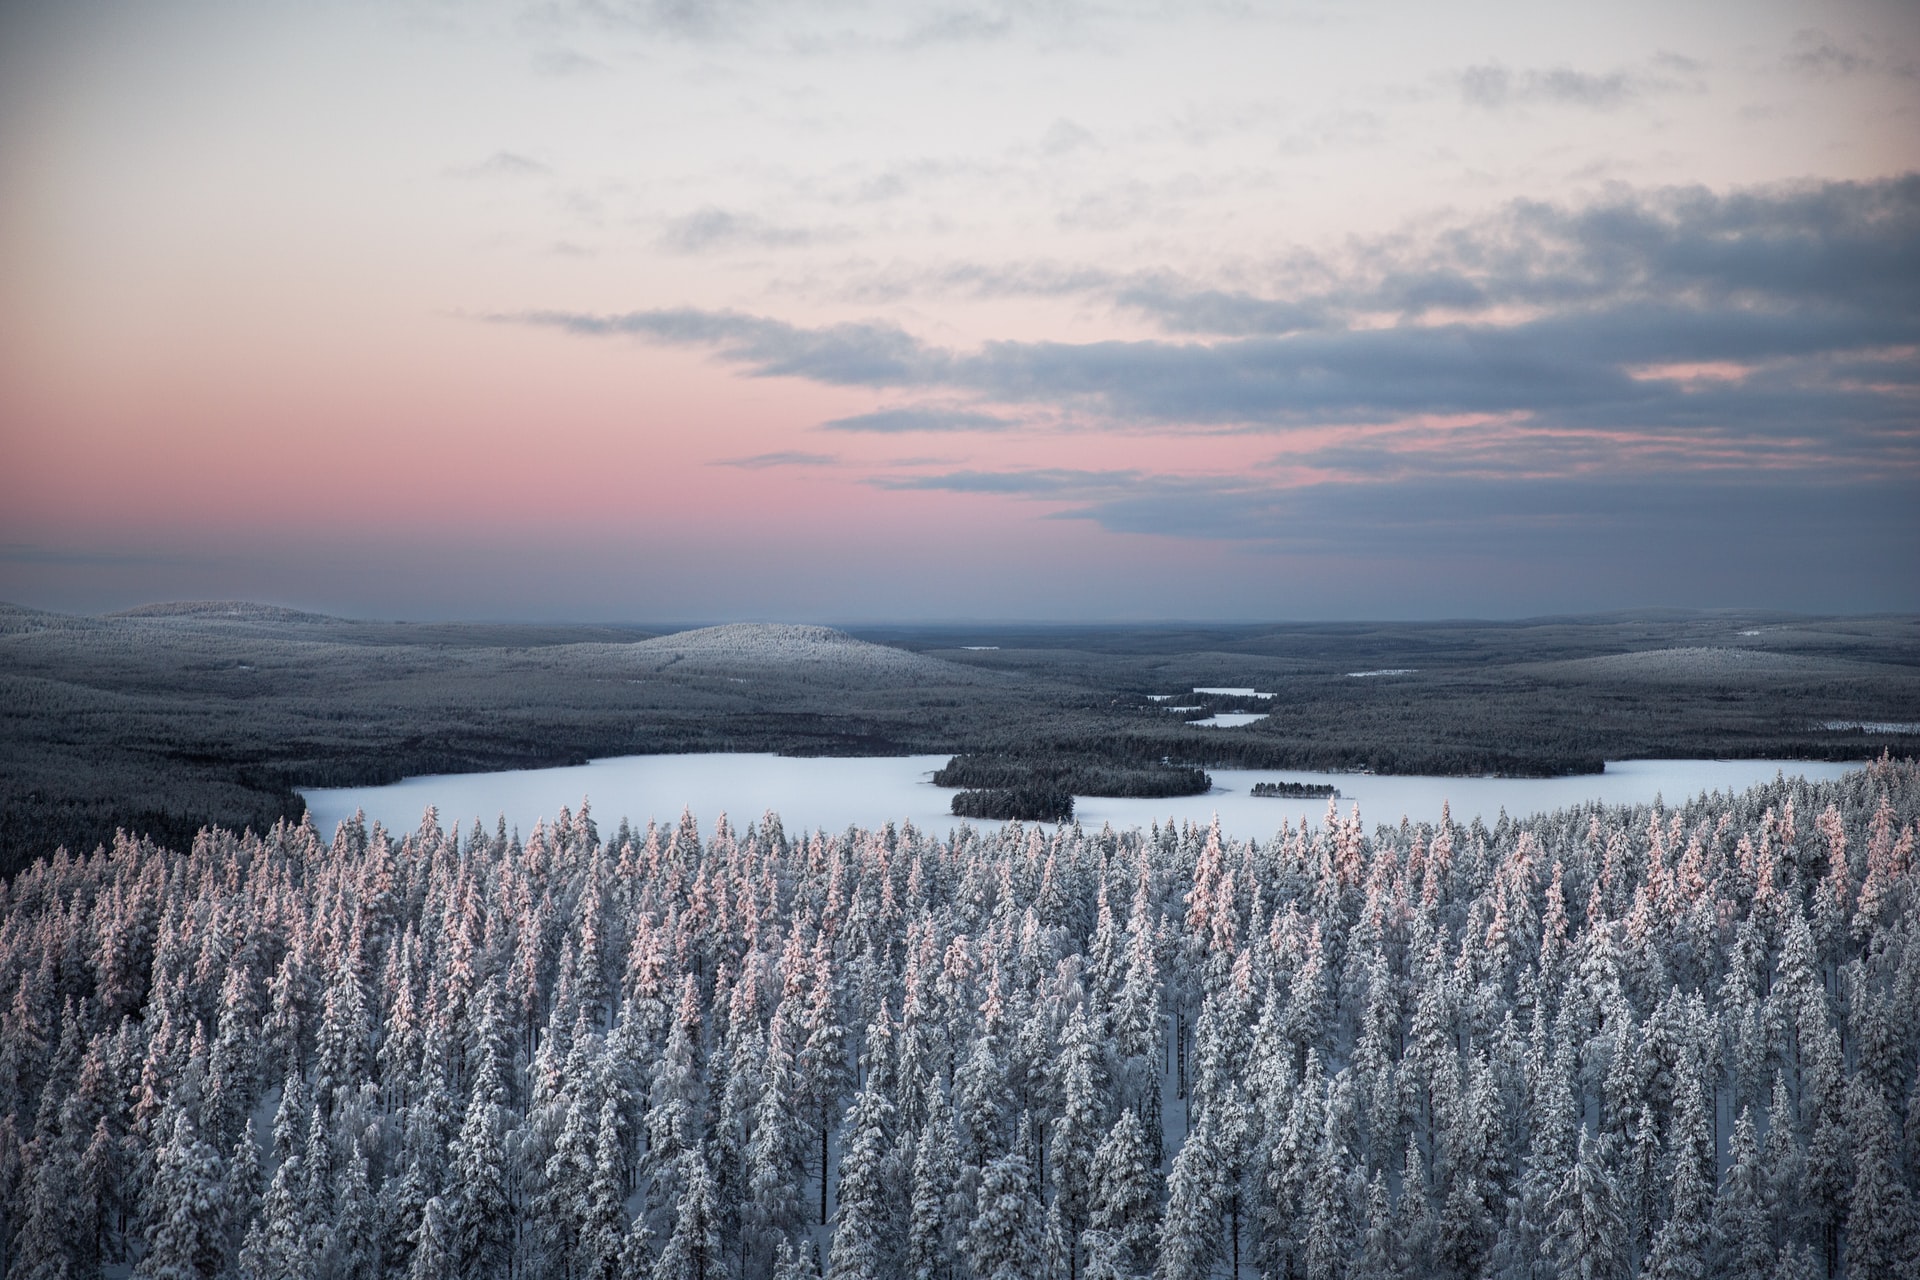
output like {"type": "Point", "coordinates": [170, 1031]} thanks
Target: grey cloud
{"type": "Point", "coordinates": [1046, 482]}
{"type": "Point", "coordinates": [1645, 523]}
{"type": "Point", "coordinates": [561, 63]}
{"type": "Point", "coordinates": [1850, 246]}
{"type": "Point", "coordinates": [1215, 311]}
{"type": "Point", "coordinates": [712, 228]}
{"type": "Point", "coordinates": [781, 458]}
{"type": "Point", "coordinates": [919, 418]}
{"type": "Point", "coordinates": [1064, 136]}
{"type": "Point", "coordinates": [1119, 206]}
{"type": "Point", "coordinates": [1804, 289]}
{"type": "Point", "coordinates": [685, 19]}
{"type": "Point", "coordinates": [877, 355]}
{"type": "Point", "coordinates": [1816, 53]}
{"type": "Point", "coordinates": [961, 26]}
{"type": "Point", "coordinates": [1650, 519]}
{"type": "Point", "coordinates": [503, 164]}
{"type": "Point", "coordinates": [33, 553]}
{"type": "Point", "coordinates": [1493, 86]}
{"type": "Point", "coordinates": [1669, 60]}
{"type": "Point", "coordinates": [980, 280]}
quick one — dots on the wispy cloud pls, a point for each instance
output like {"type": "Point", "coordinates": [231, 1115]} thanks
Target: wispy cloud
{"type": "Point", "coordinates": [1819, 54]}
{"type": "Point", "coordinates": [919, 418]}
{"type": "Point", "coordinates": [33, 553]}
{"type": "Point", "coordinates": [563, 63]}
{"type": "Point", "coordinates": [503, 164]}
{"type": "Point", "coordinates": [1581, 319]}
{"type": "Point", "coordinates": [1047, 482]}
{"type": "Point", "coordinates": [1493, 86]}
{"type": "Point", "coordinates": [876, 354]}
{"type": "Point", "coordinates": [711, 229]}
{"type": "Point", "coordinates": [781, 458]}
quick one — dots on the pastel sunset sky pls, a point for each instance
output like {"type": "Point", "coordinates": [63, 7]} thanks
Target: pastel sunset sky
{"type": "Point", "coordinates": [843, 311]}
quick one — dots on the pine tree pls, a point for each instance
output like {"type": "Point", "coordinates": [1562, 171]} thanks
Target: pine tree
{"type": "Point", "coordinates": [431, 1255]}
{"type": "Point", "coordinates": [355, 1255]}
{"type": "Point", "coordinates": [1883, 1232]}
{"type": "Point", "coordinates": [936, 1174]}
{"type": "Point", "coordinates": [1190, 1228]}
{"type": "Point", "coordinates": [1124, 1190]}
{"type": "Point", "coordinates": [866, 1218]}
{"type": "Point", "coordinates": [185, 1208]}
{"type": "Point", "coordinates": [604, 1218]}
{"type": "Point", "coordinates": [242, 1188]}
{"type": "Point", "coordinates": [1680, 1247]}
{"type": "Point", "coordinates": [694, 1251]}
{"type": "Point", "coordinates": [1587, 1235]}
{"type": "Point", "coordinates": [50, 1240]}
{"type": "Point", "coordinates": [100, 1190]}
{"type": "Point", "coordinates": [1003, 1242]}
{"type": "Point", "coordinates": [822, 1065]}
{"type": "Point", "coordinates": [1075, 1135]}
{"type": "Point", "coordinates": [1742, 1248]}
{"type": "Point", "coordinates": [479, 1219]}
{"type": "Point", "coordinates": [776, 1153]}
{"type": "Point", "coordinates": [1379, 1249]}
{"type": "Point", "coordinates": [276, 1246]}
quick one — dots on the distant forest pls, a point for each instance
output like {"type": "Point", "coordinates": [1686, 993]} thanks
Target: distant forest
{"type": "Point", "coordinates": [1608, 1042]}
{"type": "Point", "coordinates": [171, 718]}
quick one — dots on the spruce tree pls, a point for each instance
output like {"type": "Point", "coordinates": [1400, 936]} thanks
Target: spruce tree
{"type": "Point", "coordinates": [1003, 1242]}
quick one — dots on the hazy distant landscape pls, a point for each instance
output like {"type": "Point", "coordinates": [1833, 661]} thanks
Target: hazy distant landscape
{"type": "Point", "coordinates": [170, 718]}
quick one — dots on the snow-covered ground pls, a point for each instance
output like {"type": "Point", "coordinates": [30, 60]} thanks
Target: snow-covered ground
{"type": "Point", "coordinates": [833, 792]}
{"type": "Point", "coordinates": [783, 645]}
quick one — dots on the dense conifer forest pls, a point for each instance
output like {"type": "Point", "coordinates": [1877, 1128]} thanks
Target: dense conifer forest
{"type": "Point", "coordinates": [1668, 1041]}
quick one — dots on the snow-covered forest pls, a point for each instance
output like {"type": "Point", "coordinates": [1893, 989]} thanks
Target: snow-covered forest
{"type": "Point", "coordinates": [1670, 1041]}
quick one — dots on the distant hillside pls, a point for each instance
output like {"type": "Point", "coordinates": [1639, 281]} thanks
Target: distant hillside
{"type": "Point", "coordinates": [216, 610]}
{"type": "Point", "coordinates": [775, 644]}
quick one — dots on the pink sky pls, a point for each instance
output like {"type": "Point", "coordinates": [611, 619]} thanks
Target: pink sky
{"type": "Point", "coordinates": [491, 311]}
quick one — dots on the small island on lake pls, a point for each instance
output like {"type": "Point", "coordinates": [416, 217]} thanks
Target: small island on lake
{"type": "Point", "coordinates": [1296, 790]}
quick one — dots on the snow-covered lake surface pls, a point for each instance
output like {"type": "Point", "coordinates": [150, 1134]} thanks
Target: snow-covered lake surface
{"type": "Point", "coordinates": [833, 792]}
{"type": "Point", "coordinates": [1229, 719]}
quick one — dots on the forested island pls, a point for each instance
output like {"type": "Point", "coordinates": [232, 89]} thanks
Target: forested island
{"type": "Point", "coordinates": [1297, 790]}
{"type": "Point", "coordinates": [1602, 1042]}
{"type": "Point", "coordinates": [1029, 802]}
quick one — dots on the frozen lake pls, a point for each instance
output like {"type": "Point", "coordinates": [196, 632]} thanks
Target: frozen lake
{"type": "Point", "coordinates": [833, 792]}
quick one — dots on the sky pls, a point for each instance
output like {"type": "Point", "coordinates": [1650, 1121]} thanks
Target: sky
{"type": "Point", "coordinates": [838, 311]}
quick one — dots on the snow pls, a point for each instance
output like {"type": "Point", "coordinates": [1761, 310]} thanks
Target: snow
{"type": "Point", "coordinates": [832, 792]}
{"type": "Point", "coordinates": [1873, 726]}
{"type": "Point", "coordinates": [757, 644]}
{"type": "Point", "coordinates": [1383, 671]}
{"type": "Point", "coordinates": [1229, 719]}
{"type": "Point", "coordinates": [1218, 691]}
{"type": "Point", "coordinates": [981, 648]}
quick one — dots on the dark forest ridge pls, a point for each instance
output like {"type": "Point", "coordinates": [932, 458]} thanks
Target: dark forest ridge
{"type": "Point", "coordinates": [165, 718]}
